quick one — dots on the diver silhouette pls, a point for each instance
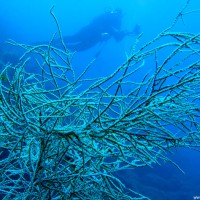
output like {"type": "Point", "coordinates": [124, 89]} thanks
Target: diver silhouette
{"type": "Point", "coordinates": [98, 31]}
{"type": "Point", "coordinates": [101, 29]}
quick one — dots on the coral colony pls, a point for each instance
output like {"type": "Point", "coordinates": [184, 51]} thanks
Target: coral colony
{"type": "Point", "coordinates": [63, 136]}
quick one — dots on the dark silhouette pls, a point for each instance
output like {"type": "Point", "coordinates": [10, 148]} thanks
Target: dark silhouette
{"type": "Point", "coordinates": [101, 29]}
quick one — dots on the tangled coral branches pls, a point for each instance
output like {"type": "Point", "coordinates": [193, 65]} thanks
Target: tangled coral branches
{"type": "Point", "coordinates": [60, 142]}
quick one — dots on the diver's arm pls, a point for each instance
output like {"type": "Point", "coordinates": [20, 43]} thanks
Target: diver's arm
{"type": "Point", "coordinates": [118, 34]}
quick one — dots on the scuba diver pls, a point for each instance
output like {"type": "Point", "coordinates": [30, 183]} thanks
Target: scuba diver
{"type": "Point", "coordinates": [101, 29]}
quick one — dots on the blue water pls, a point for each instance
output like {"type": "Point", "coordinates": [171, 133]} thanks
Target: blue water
{"type": "Point", "coordinates": [30, 21]}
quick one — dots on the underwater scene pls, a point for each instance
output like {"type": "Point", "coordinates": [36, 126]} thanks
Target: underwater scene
{"type": "Point", "coordinates": [100, 100]}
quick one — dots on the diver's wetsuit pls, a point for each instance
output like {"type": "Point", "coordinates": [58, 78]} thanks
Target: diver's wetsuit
{"type": "Point", "coordinates": [99, 30]}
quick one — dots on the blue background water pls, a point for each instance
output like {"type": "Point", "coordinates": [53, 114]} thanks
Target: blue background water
{"type": "Point", "coordinates": [30, 21]}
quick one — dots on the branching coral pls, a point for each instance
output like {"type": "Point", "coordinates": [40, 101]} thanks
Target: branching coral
{"type": "Point", "coordinates": [58, 142]}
